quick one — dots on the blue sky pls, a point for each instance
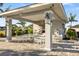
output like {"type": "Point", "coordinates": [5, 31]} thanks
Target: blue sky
{"type": "Point", "coordinates": [74, 9]}
{"type": "Point", "coordinates": [69, 8]}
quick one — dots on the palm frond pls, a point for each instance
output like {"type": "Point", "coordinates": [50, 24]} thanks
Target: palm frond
{"type": "Point", "coordinates": [7, 9]}
{"type": "Point", "coordinates": [1, 10]}
{"type": "Point", "coordinates": [72, 18]}
{"type": "Point", "coordinates": [1, 4]}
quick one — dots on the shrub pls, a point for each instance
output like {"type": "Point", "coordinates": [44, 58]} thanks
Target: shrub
{"type": "Point", "coordinates": [18, 31]}
{"type": "Point", "coordinates": [30, 30]}
{"type": "Point", "coordinates": [25, 31]}
{"type": "Point", "coordinates": [71, 33]}
{"type": "Point", "coordinates": [14, 29]}
{"type": "Point", "coordinates": [2, 33]}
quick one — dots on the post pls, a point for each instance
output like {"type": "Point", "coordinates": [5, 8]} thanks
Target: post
{"type": "Point", "coordinates": [48, 30]}
{"type": "Point", "coordinates": [8, 29]}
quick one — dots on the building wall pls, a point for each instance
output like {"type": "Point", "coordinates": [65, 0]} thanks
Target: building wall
{"type": "Point", "coordinates": [76, 29]}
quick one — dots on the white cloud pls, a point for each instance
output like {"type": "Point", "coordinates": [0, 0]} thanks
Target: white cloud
{"type": "Point", "coordinates": [66, 3]}
{"type": "Point", "coordinates": [69, 4]}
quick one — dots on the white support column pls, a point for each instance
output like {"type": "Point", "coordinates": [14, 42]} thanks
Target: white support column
{"type": "Point", "coordinates": [48, 30]}
{"type": "Point", "coordinates": [8, 29]}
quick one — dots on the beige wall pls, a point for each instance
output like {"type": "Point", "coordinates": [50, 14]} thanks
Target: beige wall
{"type": "Point", "coordinates": [38, 27]}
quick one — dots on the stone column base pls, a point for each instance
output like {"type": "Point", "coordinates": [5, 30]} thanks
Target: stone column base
{"type": "Point", "coordinates": [7, 40]}
{"type": "Point", "coordinates": [47, 49]}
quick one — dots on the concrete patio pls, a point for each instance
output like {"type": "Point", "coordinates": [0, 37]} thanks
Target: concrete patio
{"type": "Point", "coordinates": [15, 48]}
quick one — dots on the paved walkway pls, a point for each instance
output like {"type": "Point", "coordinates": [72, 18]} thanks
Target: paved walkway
{"type": "Point", "coordinates": [28, 49]}
{"type": "Point", "coordinates": [63, 48]}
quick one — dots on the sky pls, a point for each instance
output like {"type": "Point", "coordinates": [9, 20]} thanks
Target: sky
{"type": "Point", "coordinates": [69, 8]}
{"type": "Point", "coordinates": [74, 9]}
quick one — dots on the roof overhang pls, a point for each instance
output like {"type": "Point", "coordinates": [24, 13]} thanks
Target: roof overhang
{"type": "Point", "coordinates": [35, 12]}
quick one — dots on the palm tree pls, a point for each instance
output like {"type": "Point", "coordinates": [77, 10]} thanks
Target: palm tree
{"type": "Point", "coordinates": [72, 19]}
{"type": "Point", "coordinates": [22, 23]}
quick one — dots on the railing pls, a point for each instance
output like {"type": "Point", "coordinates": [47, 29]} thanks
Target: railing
{"type": "Point", "coordinates": [36, 38]}
{"type": "Point", "coordinates": [40, 39]}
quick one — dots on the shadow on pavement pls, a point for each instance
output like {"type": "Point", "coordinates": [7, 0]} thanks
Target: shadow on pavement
{"type": "Point", "coordinates": [8, 52]}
